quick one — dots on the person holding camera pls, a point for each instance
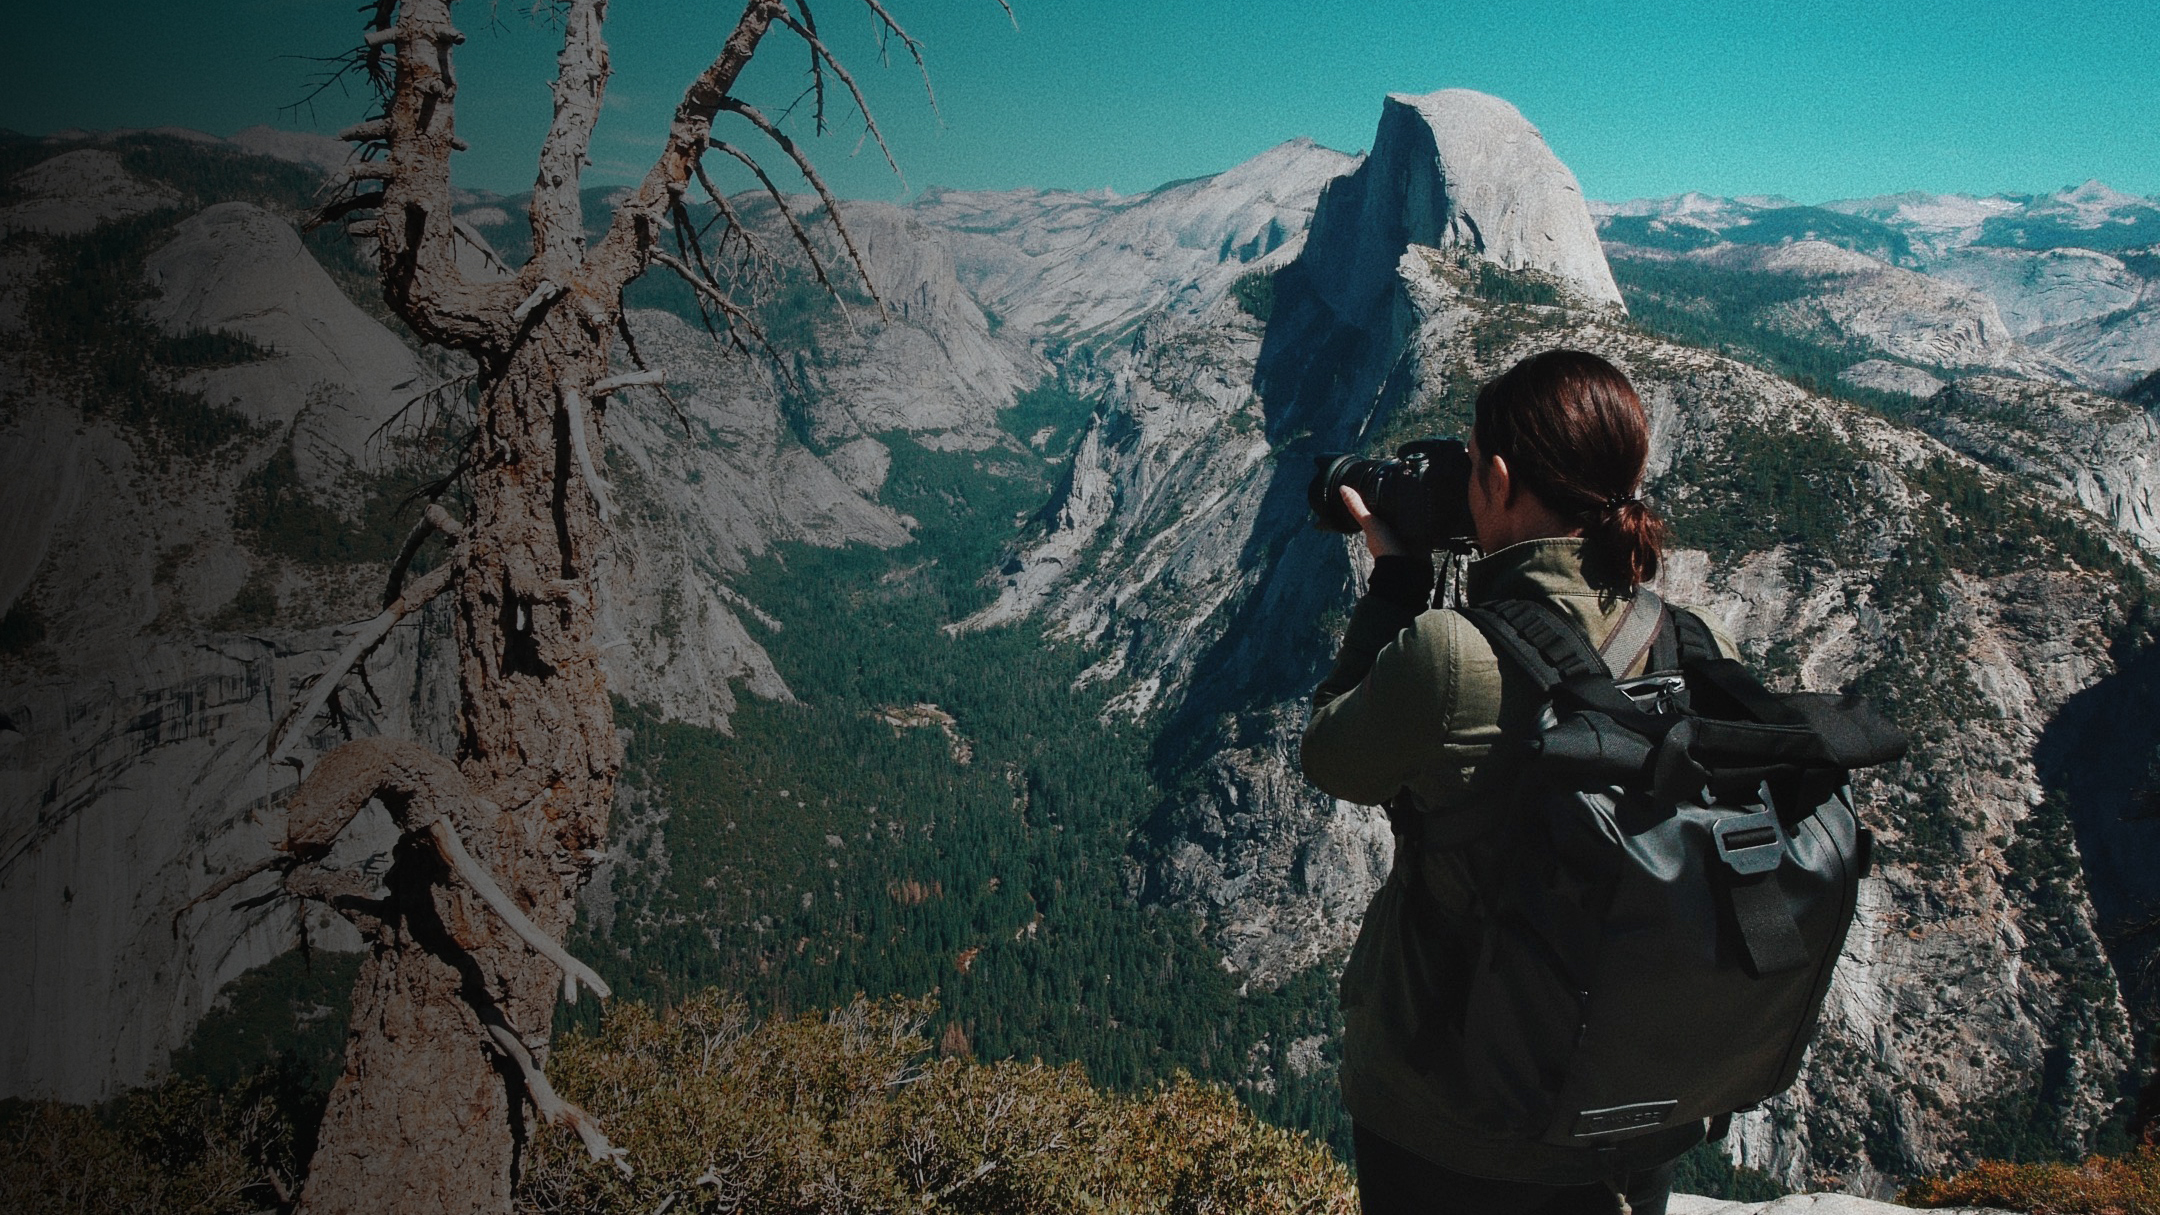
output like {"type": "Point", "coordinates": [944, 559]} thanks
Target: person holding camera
{"type": "Point", "coordinates": [1415, 716]}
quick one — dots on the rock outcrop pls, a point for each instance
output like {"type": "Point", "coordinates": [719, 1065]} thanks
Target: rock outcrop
{"type": "Point", "coordinates": [1454, 168]}
{"type": "Point", "coordinates": [1883, 375]}
{"type": "Point", "coordinates": [76, 191]}
{"type": "Point", "coordinates": [1803, 1204]}
{"type": "Point", "coordinates": [2095, 451]}
{"type": "Point", "coordinates": [333, 374]}
{"type": "Point", "coordinates": [1081, 266]}
{"type": "Point", "coordinates": [2037, 289]}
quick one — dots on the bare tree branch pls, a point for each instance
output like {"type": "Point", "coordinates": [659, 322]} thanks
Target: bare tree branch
{"type": "Point", "coordinates": [574, 405]}
{"type": "Point", "coordinates": [687, 240]}
{"type": "Point", "coordinates": [817, 70]}
{"type": "Point", "coordinates": [370, 635]}
{"type": "Point", "coordinates": [914, 48]}
{"type": "Point", "coordinates": [558, 215]}
{"type": "Point", "coordinates": [555, 1110]}
{"type": "Point", "coordinates": [426, 400]}
{"type": "Point", "coordinates": [488, 257]}
{"type": "Point", "coordinates": [817, 50]}
{"type": "Point", "coordinates": [628, 379]}
{"type": "Point", "coordinates": [397, 771]}
{"type": "Point", "coordinates": [802, 237]}
{"type": "Point", "coordinates": [810, 174]}
{"type": "Point", "coordinates": [544, 291]}
{"type": "Point", "coordinates": [475, 875]}
{"type": "Point", "coordinates": [733, 313]}
{"type": "Point", "coordinates": [724, 210]}
{"type": "Point", "coordinates": [414, 233]}
{"type": "Point", "coordinates": [222, 885]}
{"type": "Point", "coordinates": [620, 255]}
{"type": "Point", "coordinates": [343, 207]}
{"type": "Point", "coordinates": [629, 339]}
{"type": "Point", "coordinates": [435, 519]}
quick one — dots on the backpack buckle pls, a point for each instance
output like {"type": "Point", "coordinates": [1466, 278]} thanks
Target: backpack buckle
{"type": "Point", "coordinates": [1750, 843]}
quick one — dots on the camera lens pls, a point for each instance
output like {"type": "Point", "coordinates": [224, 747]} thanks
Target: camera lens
{"type": "Point", "coordinates": [1330, 473]}
{"type": "Point", "coordinates": [1423, 494]}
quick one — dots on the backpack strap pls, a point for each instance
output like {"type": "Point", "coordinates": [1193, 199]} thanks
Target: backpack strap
{"type": "Point", "coordinates": [1696, 642]}
{"type": "Point", "coordinates": [1553, 650]}
{"type": "Point", "coordinates": [1546, 647]}
{"type": "Point", "coordinates": [1665, 647]}
{"type": "Point", "coordinates": [1641, 624]}
{"type": "Point", "coordinates": [1769, 936]}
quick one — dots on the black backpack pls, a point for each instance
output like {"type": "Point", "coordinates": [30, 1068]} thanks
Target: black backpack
{"type": "Point", "coordinates": [1661, 901]}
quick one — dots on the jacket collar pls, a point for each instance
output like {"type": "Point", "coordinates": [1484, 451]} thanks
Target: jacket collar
{"type": "Point", "coordinates": [1533, 569]}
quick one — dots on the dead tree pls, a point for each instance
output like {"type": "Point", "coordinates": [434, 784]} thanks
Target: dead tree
{"type": "Point", "coordinates": [452, 1009]}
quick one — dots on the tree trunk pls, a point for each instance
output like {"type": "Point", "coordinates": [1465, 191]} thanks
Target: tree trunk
{"type": "Point", "coordinates": [418, 1121]}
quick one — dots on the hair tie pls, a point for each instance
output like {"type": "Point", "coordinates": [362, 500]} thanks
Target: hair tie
{"type": "Point", "coordinates": [1613, 504]}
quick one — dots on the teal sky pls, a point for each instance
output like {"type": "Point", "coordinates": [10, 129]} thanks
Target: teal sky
{"type": "Point", "coordinates": [1813, 99]}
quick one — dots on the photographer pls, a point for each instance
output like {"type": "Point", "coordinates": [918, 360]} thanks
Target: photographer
{"type": "Point", "coordinates": [1410, 717]}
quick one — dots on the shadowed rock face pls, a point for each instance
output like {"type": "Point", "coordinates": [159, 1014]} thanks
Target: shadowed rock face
{"type": "Point", "coordinates": [1452, 168]}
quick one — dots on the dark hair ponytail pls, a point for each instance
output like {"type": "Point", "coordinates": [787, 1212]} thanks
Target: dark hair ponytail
{"type": "Point", "coordinates": [1574, 433]}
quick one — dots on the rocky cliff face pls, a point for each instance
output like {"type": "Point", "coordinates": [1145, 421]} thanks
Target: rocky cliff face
{"type": "Point", "coordinates": [133, 763]}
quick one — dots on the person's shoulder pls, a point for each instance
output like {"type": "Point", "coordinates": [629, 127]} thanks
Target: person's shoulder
{"type": "Point", "coordinates": [1448, 635]}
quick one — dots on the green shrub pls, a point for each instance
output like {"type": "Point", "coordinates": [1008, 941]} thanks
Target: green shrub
{"type": "Point", "coordinates": [1500, 285]}
{"type": "Point", "coordinates": [179, 1148]}
{"type": "Point", "coordinates": [1708, 1171]}
{"type": "Point", "coordinates": [2124, 1185]}
{"type": "Point", "coordinates": [1255, 293]}
{"type": "Point", "coordinates": [849, 1111]}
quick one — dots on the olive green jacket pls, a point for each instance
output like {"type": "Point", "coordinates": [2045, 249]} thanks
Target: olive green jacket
{"type": "Point", "coordinates": [1416, 701]}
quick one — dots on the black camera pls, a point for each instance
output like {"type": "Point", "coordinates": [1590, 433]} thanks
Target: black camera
{"type": "Point", "coordinates": [1423, 494]}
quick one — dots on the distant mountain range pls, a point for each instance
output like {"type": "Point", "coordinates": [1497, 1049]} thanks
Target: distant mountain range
{"type": "Point", "coordinates": [1919, 225]}
{"type": "Point", "coordinates": [2063, 286]}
